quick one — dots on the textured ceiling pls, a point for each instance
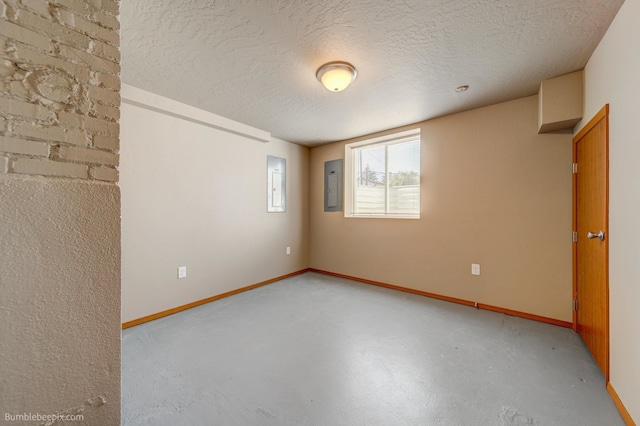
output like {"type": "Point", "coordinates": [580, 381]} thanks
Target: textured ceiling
{"type": "Point", "coordinates": [254, 61]}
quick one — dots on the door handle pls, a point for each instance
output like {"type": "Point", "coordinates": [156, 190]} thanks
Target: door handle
{"type": "Point", "coordinates": [599, 235]}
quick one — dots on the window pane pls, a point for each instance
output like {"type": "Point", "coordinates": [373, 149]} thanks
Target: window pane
{"type": "Point", "coordinates": [383, 176]}
{"type": "Point", "coordinates": [369, 188]}
{"type": "Point", "coordinates": [404, 177]}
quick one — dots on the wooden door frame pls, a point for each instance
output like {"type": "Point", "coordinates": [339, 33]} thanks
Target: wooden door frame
{"type": "Point", "coordinates": [603, 114]}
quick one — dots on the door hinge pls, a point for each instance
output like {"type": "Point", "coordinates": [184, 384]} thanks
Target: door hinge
{"type": "Point", "coordinates": [575, 305]}
{"type": "Point", "coordinates": [574, 236]}
{"type": "Point", "coordinates": [575, 168]}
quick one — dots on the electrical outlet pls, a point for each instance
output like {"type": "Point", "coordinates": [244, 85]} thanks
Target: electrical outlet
{"type": "Point", "coordinates": [288, 250]}
{"type": "Point", "coordinates": [182, 272]}
{"type": "Point", "coordinates": [475, 269]}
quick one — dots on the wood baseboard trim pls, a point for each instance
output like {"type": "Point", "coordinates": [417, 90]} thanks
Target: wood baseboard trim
{"type": "Point", "coordinates": [505, 311]}
{"type": "Point", "coordinates": [395, 287]}
{"type": "Point", "coordinates": [533, 317]}
{"type": "Point", "coordinates": [207, 300]}
{"type": "Point", "coordinates": [620, 406]}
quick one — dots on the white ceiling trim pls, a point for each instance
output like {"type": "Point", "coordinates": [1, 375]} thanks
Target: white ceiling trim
{"type": "Point", "coordinates": [153, 102]}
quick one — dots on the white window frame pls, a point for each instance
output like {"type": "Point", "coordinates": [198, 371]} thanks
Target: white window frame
{"type": "Point", "coordinates": [349, 177]}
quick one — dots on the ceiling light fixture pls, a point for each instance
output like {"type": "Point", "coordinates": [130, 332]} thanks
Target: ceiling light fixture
{"type": "Point", "coordinates": [462, 88]}
{"type": "Point", "coordinates": [336, 76]}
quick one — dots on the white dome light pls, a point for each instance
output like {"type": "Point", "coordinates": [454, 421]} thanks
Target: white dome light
{"type": "Point", "coordinates": [336, 76]}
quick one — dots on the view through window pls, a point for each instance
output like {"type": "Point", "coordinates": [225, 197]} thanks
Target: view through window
{"type": "Point", "coordinates": [383, 179]}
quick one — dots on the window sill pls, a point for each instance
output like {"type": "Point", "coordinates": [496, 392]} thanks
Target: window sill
{"type": "Point", "coordinates": [381, 216]}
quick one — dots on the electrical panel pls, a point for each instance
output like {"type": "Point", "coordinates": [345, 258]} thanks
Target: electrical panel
{"type": "Point", "coordinates": [333, 172]}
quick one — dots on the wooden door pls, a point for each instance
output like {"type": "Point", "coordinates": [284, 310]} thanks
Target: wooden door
{"type": "Point", "coordinates": [590, 217]}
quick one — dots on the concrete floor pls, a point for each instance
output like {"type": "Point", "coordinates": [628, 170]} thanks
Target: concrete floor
{"type": "Point", "coordinates": [318, 350]}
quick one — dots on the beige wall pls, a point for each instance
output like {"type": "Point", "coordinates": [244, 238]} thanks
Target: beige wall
{"type": "Point", "coordinates": [195, 196]}
{"type": "Point", "coordinates": [610, 77]}
{"type": "Point", "coordinates": [494, 192]}
{"type": "Point", "coordinates": [59, 211]}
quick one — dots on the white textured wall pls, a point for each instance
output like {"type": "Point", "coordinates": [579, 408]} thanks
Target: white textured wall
{"type": "Point", "coordinates": [59, 210]}
{"type": "Point", "coordinates": [60, 298]}
{"type": "Point", "coordinates": [195, 196]}
{"type": "Point", "coordinates": [611, 77]}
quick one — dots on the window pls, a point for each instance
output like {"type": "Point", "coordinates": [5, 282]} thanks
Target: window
{"type": "Point", "coordinates": [382, 177]}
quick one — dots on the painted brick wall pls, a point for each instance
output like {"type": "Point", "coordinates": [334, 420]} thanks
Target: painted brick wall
{"type": "Point", "coordinates": [59, 88]}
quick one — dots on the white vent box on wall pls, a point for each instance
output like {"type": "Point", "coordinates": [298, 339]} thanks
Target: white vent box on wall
{"type": "Point", "coordinates": [560, 102]}
{"type": "Point", "coordinates": [276, 184]}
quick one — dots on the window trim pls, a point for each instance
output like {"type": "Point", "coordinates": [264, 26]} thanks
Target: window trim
{"type": "Point", "coordinates": [349, 180]}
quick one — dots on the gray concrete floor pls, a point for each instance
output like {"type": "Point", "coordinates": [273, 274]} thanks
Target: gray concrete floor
{"type": "Point", "coordinates": [319, 350]}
